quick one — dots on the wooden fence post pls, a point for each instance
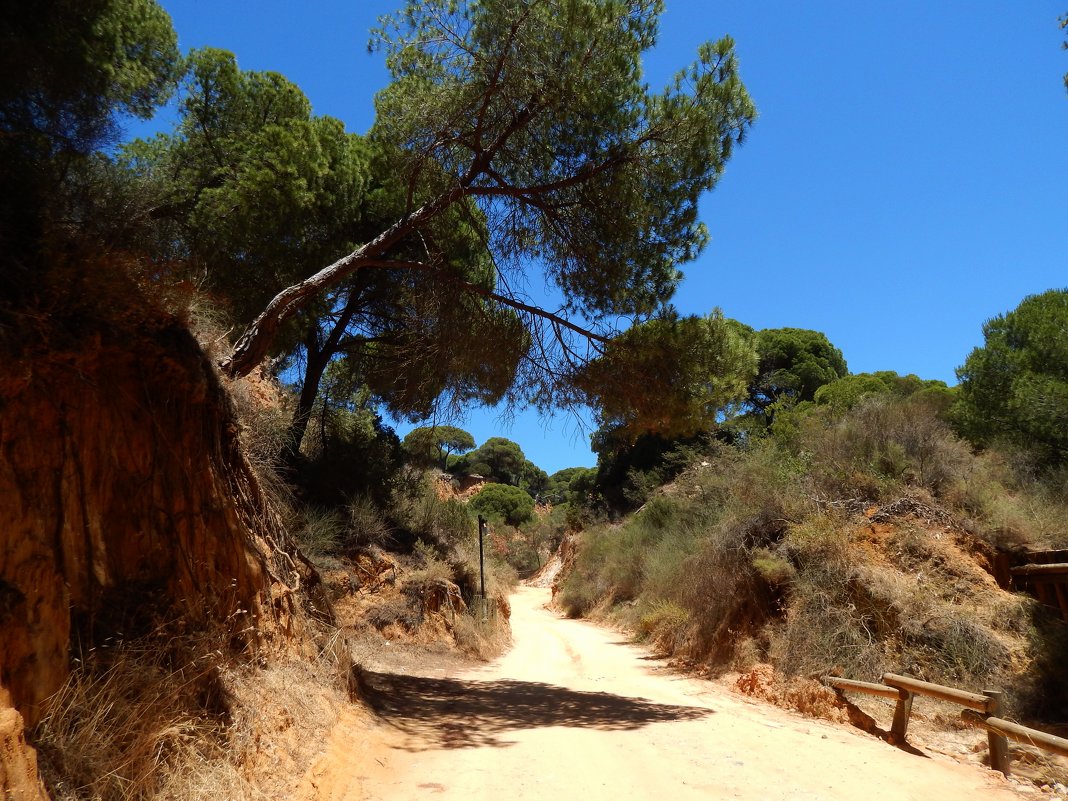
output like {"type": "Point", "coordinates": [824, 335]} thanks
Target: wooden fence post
{"type": "Point", "coordinates": [902, 711]}
{"type": "Point", "coordinates": [998, 743]}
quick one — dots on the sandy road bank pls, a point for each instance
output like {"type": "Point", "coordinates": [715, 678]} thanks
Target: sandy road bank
{"type": "Point", "coordinates": [571, 712]}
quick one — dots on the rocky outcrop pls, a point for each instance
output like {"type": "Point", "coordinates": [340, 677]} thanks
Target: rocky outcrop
{"type": "Point", "coordinates": [125, 501]}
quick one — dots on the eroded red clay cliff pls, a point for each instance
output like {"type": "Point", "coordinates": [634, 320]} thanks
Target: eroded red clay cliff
{"type": "Point", "coordinates": [125, 499]}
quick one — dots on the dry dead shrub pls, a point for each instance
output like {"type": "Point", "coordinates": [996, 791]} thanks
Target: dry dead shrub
{"type": "Point", "coordinates": [395, 611]}
{"type": "Point", "coordinates": [725, 596]}
{"type": "Point", "coordinates": [951, 646]}
{"type": "Point", "coordinates": [825, 632]}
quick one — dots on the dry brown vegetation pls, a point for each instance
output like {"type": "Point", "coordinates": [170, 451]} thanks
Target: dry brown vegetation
{"type": "Point", "coordinates": [172, 716]}
{"type": "Point", "coordinates": [852, 544]}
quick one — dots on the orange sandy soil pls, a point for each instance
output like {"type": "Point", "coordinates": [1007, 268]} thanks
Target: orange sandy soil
{"type": "Point", "coordinates": [573, 711]}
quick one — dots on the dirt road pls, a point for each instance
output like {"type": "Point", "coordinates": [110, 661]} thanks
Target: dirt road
{"type": "Point", "coordinates": [572, 712]}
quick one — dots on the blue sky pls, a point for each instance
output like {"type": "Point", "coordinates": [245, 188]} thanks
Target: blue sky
{"type": "Point", "coordinates": [904, 182]}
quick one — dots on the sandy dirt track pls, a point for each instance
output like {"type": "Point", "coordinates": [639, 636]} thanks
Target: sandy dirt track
{"type": "Point", "coordinates": [573, 712]}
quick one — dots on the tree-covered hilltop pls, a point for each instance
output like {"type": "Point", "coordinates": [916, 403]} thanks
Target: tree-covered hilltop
{"type": "Point", "coordinates": [384, 273]}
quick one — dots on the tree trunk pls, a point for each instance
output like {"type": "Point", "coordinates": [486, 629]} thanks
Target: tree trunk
{"type": "Point", "coordinates": [316, 361]}
{"type": "Point", "coordinates": [314, 368]}
{"type": "Point", "coordinates": [254, 344]}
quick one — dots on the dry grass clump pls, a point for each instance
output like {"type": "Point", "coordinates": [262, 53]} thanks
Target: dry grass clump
{"type": "Point", "coordinates": [665, 623]}
{"type": "Point", "coordinates": [263, 411]}
{"type": "Point", "coordinates": [367, 525]}
{"type": "Point", "coordinates": [207, 320]}
{"type": "Point", "coordinates": [130, 725]}
{"type": "Point", "coordinates": [320, 534]}
{"type": "Point", "coordinates": [282, 712]}
{"type": "Point", "coordinates": [483, 637]}
{"type": "Point", "coordinates": [167, 719]}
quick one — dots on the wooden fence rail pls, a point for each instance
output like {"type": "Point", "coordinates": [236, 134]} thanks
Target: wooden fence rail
{"type": "Point", "coordinates": [1014, 731]}
{"type": "Point", "coordinates": [893, 693]}
{"type": "Point", "coordinates": [980, 703]}
{"type": "Point", "coordinates": [1045, 576]}
{"type": "Point", "coordinates": [1055, 569]}
{"type": "Point", "coordinates": [980, 710]}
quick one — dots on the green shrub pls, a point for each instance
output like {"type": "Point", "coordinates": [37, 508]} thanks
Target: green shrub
{"type": "Point", "coordinates": [665, 621]}
{"type": "Point", "coordinates": [773, 567]}
{"type": "Point", "coordinates": [588, 583]}
{"type": "Point", "coordinates": [422, 515]}
{"type": "Point", "coordinates": [880, 445]}
{"type": "Point", "coordinates": [504, 503]}
{"type": "Point", "coordinates": [1009, 506]}
{"type": "Point", "coordinates": [320, 533]}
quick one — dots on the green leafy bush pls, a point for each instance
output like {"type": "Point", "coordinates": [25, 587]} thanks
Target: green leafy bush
{"type": "Point", "coordinates": [505, 503]}
{"type": "Point", "coordinates": [422, 515]}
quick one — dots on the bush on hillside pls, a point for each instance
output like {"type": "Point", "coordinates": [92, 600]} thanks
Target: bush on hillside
{"type": "Point", "coordinates": [504, 503]}
{"type": "Point", "coordinates": [348, 454]}
{"type": "Point", "coordinates": [421, 515]}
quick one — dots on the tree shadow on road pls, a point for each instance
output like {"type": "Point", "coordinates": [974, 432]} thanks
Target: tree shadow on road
{"type": "Point", "coordinates": [454, 713]}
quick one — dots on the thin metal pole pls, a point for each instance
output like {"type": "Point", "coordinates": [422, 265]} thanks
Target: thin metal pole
{"type": "Point", "coordinates": [481, 559]}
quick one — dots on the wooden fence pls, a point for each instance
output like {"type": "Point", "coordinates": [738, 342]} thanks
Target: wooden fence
{"type": "Point", "coordinates": [1043, 574]}
{"type": "Point", "coordinates": [981, 710]}
{"type": "Point", "coordinates": [1047, 582]}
